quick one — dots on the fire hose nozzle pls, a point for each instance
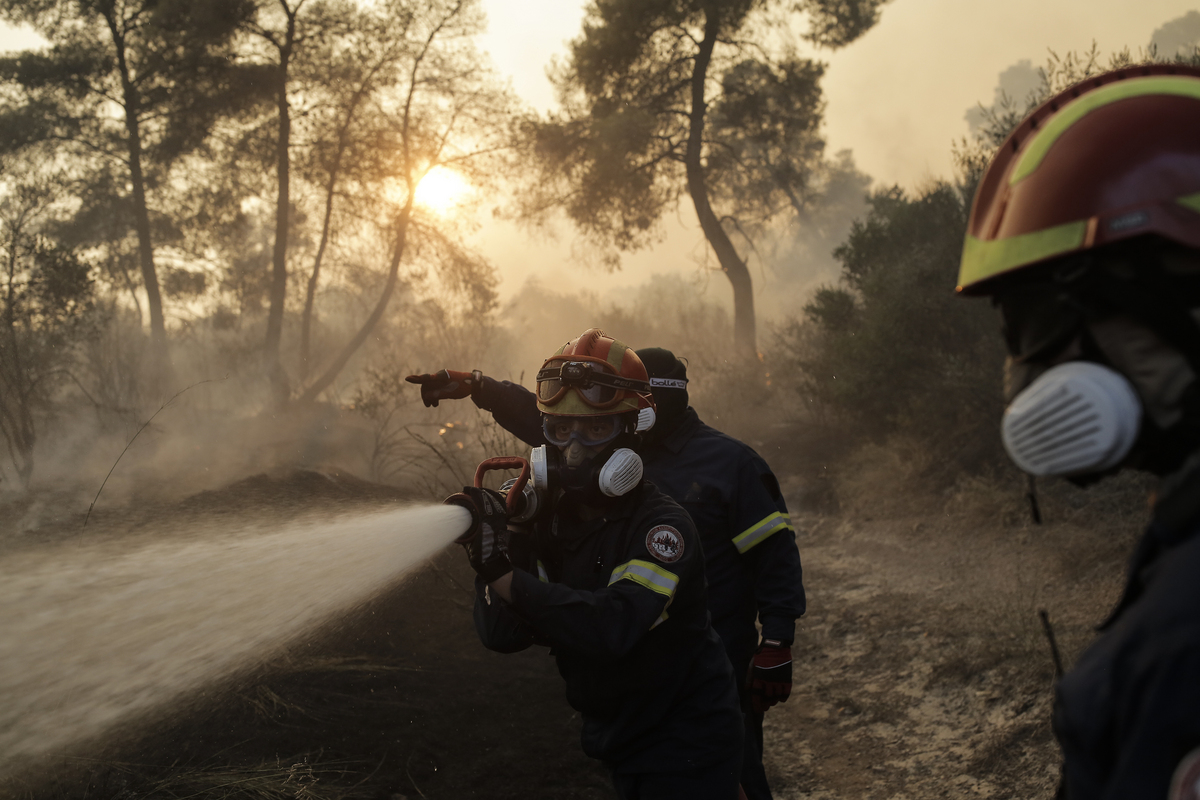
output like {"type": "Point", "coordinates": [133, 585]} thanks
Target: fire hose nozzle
{"type": "Point", "coordinates": [460, 499]}
{"type": "Point", "coordinates": [518, 502]}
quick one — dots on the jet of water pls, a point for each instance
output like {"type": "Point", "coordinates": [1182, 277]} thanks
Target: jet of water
{"type": "Point", "coordinates": [91, 635]}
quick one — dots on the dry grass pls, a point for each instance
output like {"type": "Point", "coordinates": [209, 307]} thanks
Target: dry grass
{"type": "Point", "coordinates": [303, 778]}
{"type": "Point", "coordinates": [928, 671]}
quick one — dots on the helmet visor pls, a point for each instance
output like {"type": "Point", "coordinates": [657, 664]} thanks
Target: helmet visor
{"type": "Point", "coordinates": [589, 431]}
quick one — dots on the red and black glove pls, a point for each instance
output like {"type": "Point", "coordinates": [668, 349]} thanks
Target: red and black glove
{"type": "Point", "coordinates": [770, 678]}
{"type": "Point", "coordinates": [446, 385]}
{"type": "Point", "coordinates": [487, 550]}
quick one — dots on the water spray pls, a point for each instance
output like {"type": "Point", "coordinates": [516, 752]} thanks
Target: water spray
{"type": "Point", "coordinates": [94, 635]}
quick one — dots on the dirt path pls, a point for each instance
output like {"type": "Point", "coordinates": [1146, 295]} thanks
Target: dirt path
{"type": "Point", "coordinates": [922, 669]}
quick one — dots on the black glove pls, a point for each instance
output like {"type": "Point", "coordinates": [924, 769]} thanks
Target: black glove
{"type": "Point", "coordinates": [487, 550]}
{"type": "Point", "coordinates": [770, 677]}
{"type": "Point", "coordinates": [446, 385]}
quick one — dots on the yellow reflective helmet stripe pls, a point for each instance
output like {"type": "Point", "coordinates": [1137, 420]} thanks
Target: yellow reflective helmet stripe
{"type": "Point", "coordinates": [616, 355]}
{"type": "Point", "coordinates": [643, 573]}
{"type": "Point", "coordinates": [762, 530]}
{"type": "Point", "coordinates": [983, 259]}
{"type": "Point", "coordinates": [1191, 201]}
{"type": "Point", "coordinates": [1040, 144]}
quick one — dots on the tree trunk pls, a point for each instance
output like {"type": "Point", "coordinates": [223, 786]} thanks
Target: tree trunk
{"type": "Point", "coordinates": [310, 291]}
{"type": "Point", "coordinates": [744, 333]}
{"type": "Point", "coordinates": [16, 419]}
{"type": "Point", "coordinates": [161, 368]}
{"type": "Point", "coordinates": [339, 363]}
{"type": "Point", "coordinates": [278, 295]}
{"type": "Point", "coordinates": [335, 170]}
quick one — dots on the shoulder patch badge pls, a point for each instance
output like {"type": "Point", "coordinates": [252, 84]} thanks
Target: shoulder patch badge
{"type": "Point", "coordinates": [1185, 784]}
{"type": "Point", "coordinates": [665, 543]}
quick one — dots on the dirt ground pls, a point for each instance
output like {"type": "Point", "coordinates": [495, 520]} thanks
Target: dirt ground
{"type": "Point", "coordinates": [922, 671]}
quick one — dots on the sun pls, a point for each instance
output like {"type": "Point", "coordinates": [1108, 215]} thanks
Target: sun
{"type": "Point", "coordinates": [442, 189]}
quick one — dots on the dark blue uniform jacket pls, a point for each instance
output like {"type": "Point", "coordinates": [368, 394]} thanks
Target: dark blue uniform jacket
{"type": "Point", "coordinates": [621, 601]}
{"type": "Point", "coordinates": [1129, 710]}
{"type": "Point", "coordinates": [732, 496]}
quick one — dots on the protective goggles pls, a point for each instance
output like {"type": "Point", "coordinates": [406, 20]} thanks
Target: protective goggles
{"type": "Point", "coordinates": [593, 379]}
{"type": "Point", "coordinates": [588, 431]}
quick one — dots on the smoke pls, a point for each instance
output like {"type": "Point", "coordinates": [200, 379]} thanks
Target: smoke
{"type": "Point", "coordinates": [1014, 87]}
{"type": "Point", "coordinates": [1178, 38]}
{"type": "Point", "coordinates": [94, 635]}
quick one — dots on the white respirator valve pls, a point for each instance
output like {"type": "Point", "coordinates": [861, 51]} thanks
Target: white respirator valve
{"type": "Point", "coordinates": [621, 473]}
{"type": "Point", "coordinates": [1076, 418]}
{"type": "Point", "coordinates": [646, 419]}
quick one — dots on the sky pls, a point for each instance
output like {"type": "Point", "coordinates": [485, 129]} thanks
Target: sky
{"type": "Point", "coordinates": [897, 98]}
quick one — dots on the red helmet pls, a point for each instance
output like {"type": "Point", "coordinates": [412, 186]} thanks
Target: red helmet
{"type": "Point", "coordinates": [591, 375]}
{"type": "Point", "coordinates": [1111, 158]}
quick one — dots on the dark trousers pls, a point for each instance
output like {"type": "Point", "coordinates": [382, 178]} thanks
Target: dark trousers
{"type": "Point", "coordinates": [754, 775]}
{"type": "Point", "coordinates": [716, 781]}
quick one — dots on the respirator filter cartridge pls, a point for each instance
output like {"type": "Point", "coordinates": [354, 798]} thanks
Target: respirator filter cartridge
{"type": "Point", "coordinates": [621, 473]}
{"type": "Point", "coordinates": [1076, 418]}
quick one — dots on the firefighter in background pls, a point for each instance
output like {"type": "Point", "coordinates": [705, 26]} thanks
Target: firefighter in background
{"type": "Point", "coordinates": [611, 577]}
{"type": "Point", "coordinates": [753, 566]}
{"type": "Point", "coordinates": [1085, 232]}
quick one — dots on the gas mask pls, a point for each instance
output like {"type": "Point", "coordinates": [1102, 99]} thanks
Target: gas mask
{"type": "Point", "coordinates": [1124, 400]}
{"type": "Point", "coordinates": [1077, 417]}
{"type": "Point", "coordinates": [612, 472]}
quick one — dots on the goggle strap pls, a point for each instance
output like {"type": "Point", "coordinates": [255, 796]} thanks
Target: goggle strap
{"type": "Point", "coordinates": [596, 377]}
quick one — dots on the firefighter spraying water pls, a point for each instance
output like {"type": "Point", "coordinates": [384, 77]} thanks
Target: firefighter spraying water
{"type": "Point", "coordinates": [599, 565]}
{"type": "Point", "coordinates": [751, 561]}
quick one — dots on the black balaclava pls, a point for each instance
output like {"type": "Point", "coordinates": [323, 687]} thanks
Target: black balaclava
{"type": "Point", "coordinates": [671, 403]}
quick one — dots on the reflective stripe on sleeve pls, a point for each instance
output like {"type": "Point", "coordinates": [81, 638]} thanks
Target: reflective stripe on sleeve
{"type": "Point", "coordinates": [643, 573]}
{"type": "Point", "coordinates": [542, 576]}
{"type": "Point", "coordinates": [760, 531]}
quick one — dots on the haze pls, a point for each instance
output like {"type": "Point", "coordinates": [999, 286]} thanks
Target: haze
{"type": "Point", "coordinates": [898, 99]}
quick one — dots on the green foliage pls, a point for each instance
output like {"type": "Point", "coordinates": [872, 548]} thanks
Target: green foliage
{"type": "Point", "coordinates": [615, 158]}
{"type": "Point", "coordinates": [164, 116]}
{"type": "Point", "coordinates": [174, 56]}
{"type": "Point", "coordinates": [892, 349]}
{"type": "Point", "coordinates": [767, 149]}
{"type": "Point", "coordinates": [45, 295]}
{"type": "Point", "coordinates": [837, 23]}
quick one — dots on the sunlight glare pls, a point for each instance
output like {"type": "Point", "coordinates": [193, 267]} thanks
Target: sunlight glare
{"type": "Point", "coordinates": [441, 190]}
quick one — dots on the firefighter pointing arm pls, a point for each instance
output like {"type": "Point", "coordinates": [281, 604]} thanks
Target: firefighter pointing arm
{"type": "Point", "coordinates": [752, 564]}
{"type": "Point", "coordinates": [610, 574]}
